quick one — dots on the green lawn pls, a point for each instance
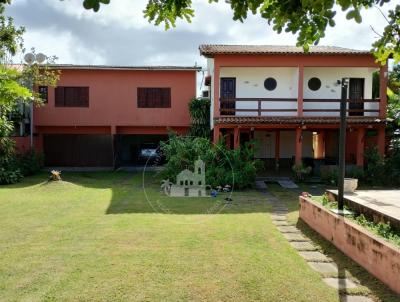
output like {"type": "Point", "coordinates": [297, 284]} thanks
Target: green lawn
{"type": "Point", "coordinates": [95, 237]}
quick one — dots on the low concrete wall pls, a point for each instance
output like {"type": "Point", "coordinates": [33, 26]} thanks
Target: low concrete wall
{"type": "Point", "coordinates": [377, 256]}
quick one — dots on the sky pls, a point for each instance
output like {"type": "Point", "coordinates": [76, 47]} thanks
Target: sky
{"type": "Point", "coordinates": [119, 34]}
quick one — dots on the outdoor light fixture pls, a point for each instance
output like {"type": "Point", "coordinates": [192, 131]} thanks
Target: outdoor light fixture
{"type": "Point", "coordinates": [30, 59]}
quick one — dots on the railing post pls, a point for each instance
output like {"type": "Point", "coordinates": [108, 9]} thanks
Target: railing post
{"type": "Point", "coordinates": [259, 107]}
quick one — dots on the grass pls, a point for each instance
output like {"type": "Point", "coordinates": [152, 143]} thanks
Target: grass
{"type": "Point", "coordinates": [372, 287]}
{"type": "Point", "coordinates": [95, 237]}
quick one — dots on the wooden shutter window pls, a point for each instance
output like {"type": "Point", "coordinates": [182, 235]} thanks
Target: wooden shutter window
{"type": "Point", "coordinates": [72, 96]}
{"type": "Point", "coordinates": [153, 97]}
{"type": "Point", "coordinates": [59, 97]}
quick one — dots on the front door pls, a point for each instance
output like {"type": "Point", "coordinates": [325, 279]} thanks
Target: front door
{"type": "Point", "coordinates": [356, 94]}
{"type": "Point", "coordinates": [228, 94]}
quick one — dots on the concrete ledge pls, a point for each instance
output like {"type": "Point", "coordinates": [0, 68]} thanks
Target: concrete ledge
{"type": "Point", "coordinates": [379, 257]}
{"type": "Point", "coordinates": [377, 210]}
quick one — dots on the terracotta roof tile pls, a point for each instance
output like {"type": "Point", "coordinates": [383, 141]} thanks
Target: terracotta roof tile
{"type": "Point", "coordinates": [295, 120]}
{"type": "Point", "coordinates": [210, 50]}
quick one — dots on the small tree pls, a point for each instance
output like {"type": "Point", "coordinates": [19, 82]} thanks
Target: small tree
{"type": "Point", "coordinates": [199, 109]}
{"type": "Point", "coordinates": [14, 91]}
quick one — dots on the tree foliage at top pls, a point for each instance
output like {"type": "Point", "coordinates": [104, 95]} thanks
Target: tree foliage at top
{"type": "Point", "coordinates": [388, 45]}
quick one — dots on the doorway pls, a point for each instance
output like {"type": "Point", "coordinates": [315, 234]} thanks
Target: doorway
{"type": "Point", "coordinates": [356, 95]}
{"type": "Point", "coordinates": [228, 94]}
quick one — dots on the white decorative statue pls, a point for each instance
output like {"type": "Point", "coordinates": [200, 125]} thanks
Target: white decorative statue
{"type": "Point", "coordinates": [188, 183]}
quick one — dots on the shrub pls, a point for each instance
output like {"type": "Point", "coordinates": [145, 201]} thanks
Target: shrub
{"type": "Point", "coordinates": [9, 168]}
{"type": "Point", "coordinates": [375, 167]}
{"type": "Point", "coordinates": [199, 109]}
{"type": "Point", "coordinates": [223, 166]}
{"type": "Point", "coordinates": [355, 172]}
{"type": "Point", "coordinates": [31, 162]}
{"type": "Point", "coordinates": [392, 165]}
{"type": "Point", "coordinates": [301, 171]}
{"type": "Point", "coordinates": [330, 174]}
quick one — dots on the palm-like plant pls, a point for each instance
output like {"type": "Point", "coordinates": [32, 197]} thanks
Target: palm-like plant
{"type": "Point", "coordinates": [166, 186]}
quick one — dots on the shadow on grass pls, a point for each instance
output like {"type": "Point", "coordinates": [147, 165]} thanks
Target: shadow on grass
{"type": "Point", "coordinates": [346, 265]}
{"type": "Point", "coordinates": [130, 194]}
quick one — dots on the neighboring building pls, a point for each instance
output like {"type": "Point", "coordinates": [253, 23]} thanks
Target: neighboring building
{"type": "Point", "coordinates": [102, 115]}
{"type": "Point", "coordinates": [190, 183]}
{"type": "Point", "coordinates": [289, 101]}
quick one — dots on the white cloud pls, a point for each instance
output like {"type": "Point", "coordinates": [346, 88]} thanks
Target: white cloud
{"type": "Point", "coordinates": [119, 34]}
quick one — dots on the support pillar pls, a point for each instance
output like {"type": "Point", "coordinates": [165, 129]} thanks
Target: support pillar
{"type": "Point", "coordinates": [236, 138]}
{"type": "Point", "coordinates": [300, 91]}
{"type": "Point", "coordinates": [381, 141]}
{"type": "Point", "coordinates": [360, 147]}
{"type": "Point", "coordinates": [383, 76]}
{"type": "Point", "coordinates": [216, 80]}
{"type": "Point", "coordinates": [277, 148]}
{"type": "Point", "coordinates": [216, 134]}
{"type": "Point", "coordinates": [299, 146]}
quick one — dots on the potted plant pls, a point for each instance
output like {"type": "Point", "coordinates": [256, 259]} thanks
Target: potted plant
{"type": "Point", "coordinates": [301, 171]}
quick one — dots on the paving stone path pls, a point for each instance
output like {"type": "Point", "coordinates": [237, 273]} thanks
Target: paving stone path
{"type": "Point", "coordinates": [305, 247]}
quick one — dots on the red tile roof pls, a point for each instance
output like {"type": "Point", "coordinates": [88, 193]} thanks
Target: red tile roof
{"type": "Point", "coordinates": [209, 50]}
{"type": "Point", "coordinates": [294, 120]}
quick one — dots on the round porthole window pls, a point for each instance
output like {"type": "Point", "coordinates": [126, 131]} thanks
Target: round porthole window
{"type": "Point", "coordinates": [314, 84]}
{"type": "Point", "coordinates": [270, 84]}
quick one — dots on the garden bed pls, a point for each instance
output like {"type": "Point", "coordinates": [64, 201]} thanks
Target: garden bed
{"type": "Point", "coordinates": [379, 257]}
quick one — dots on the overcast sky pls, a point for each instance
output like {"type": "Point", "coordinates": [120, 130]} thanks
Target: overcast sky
{"type": "Point", "coordinates": [118, 33]}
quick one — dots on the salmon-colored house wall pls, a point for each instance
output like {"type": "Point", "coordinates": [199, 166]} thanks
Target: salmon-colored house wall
{"type": "Point", "coordinates": [113, 100]}
{"type": "Point", "coordinates": [112, 130]}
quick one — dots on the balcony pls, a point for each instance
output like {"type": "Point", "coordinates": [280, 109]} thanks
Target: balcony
{"type": "Point", "coordinates": [248, 107]}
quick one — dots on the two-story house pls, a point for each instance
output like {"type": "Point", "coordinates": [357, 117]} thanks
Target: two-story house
{"type": "Point", "coordinates": [288, 100]}
{"type": "Point", "coordinates": [103, 115]}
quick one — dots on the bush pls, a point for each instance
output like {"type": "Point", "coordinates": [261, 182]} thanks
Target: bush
{"type": "Point", "coordinates": [199, 109]}
{"type": "Point", "coordinates": [31, 162]}
{"type": "Point", "coordinates": [355, 172]}
{"type": "Point", "coordinates": [301, 171]}
{"type": "Point", "coordinates": [330, 174]}
{"type": "Point", "coordinates": [392, 165]}
{"type": "Point", "coordinates": [223, 166]}
{"type": "Point", "coordinates": [375, 167]}
{"type": "Point", "coordinates": [9, 168]}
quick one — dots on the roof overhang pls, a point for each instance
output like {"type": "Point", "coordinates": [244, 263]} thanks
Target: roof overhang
{"type": "Point", "coordinates": [116, 67]}
{"type": "Point", "coordinates": [210, 50]}
{"type": "Point", "coordinates": [294, 120]}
